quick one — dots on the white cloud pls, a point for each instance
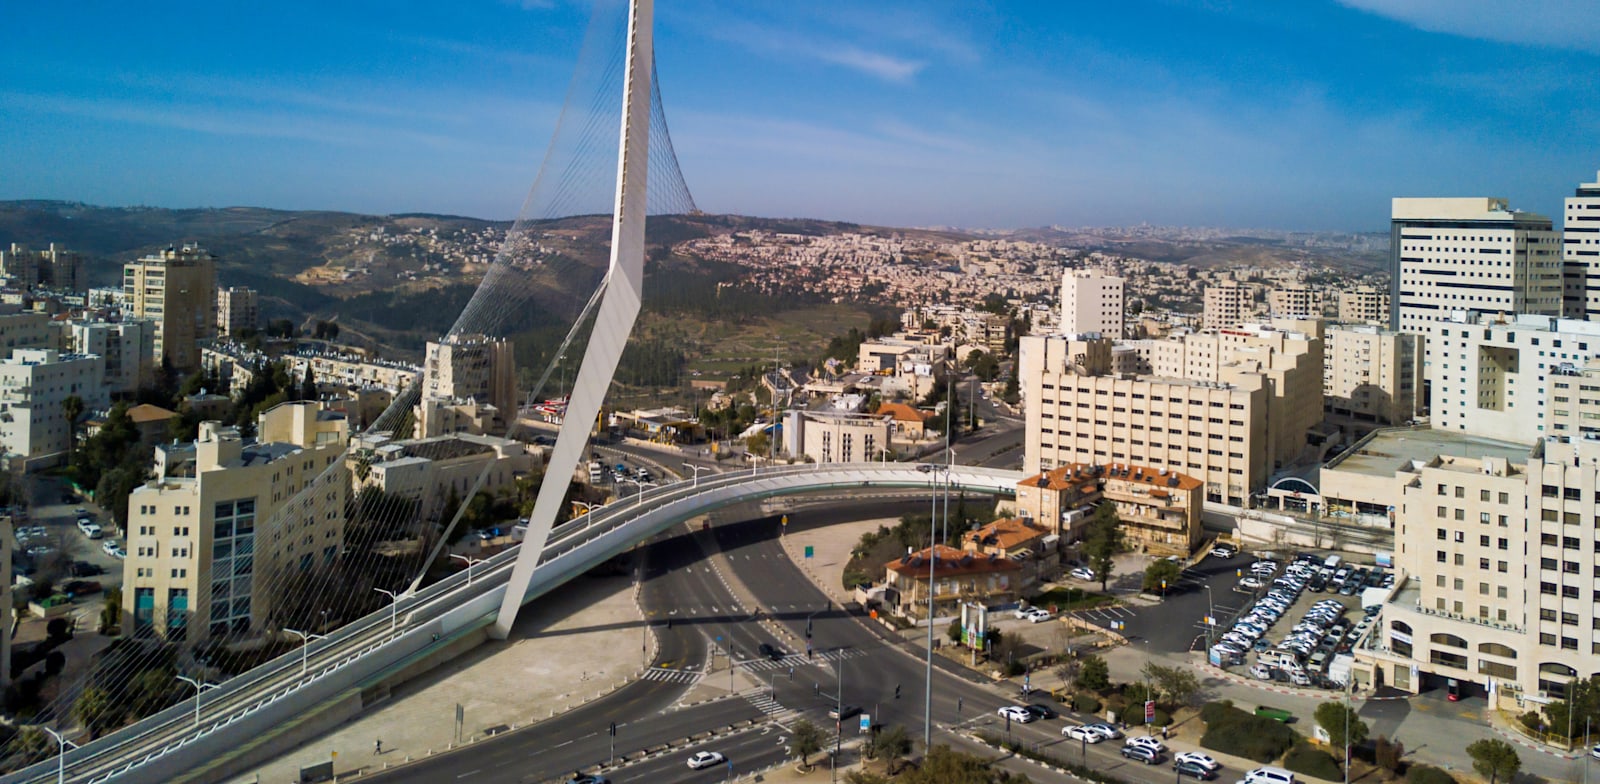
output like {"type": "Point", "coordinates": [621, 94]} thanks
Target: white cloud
{"type": "Point", "coordinates": [1564, 24]}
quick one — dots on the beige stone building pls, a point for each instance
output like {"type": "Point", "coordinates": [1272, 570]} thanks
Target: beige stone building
{"type": "Point", "coordinates": [26, 330]}
{"type": "Point", "coordinates": [1298, 302]}
{"type": "Point", "coordinates": [1227, 305]}
{"type": "Point", "coordinates": [1092, 302]}
{"type": "Point", "coordinates": [1215, 431]}
{"type": "Point", "coordinates": [128, 348]}
{"type": "Point", "coordinates": [208, 550]}
{"type": "Point", "coordinates": [1159, 509]}
{"type": "Point", "coordinates": [33, 384]}
{"type": "Point", "coordinates": [1364, 305]}
{"type": "Point", "coordinates": [431, 471]}
{"type": "Point", "coordinates": [177, 289]}
{"type": "Point", "coordinates": [828, 437]}
{"type": "Point", "coordinates": [1498, 576]}
{"type": "Point", "coordinates": [473, 368]}
{"type": "Point", "coordinates": [1572, 402]}
{"type": "Point", "coordinates": [1490, 377]}
{"type": "Point", "coordinates": [957, 576]}
{"type": "Point", "coordinates": [1580, 252]}
{"type": "Point", "coordinates": [1371, 377]}
{"type": "Point", "coordinates": [238, 309]}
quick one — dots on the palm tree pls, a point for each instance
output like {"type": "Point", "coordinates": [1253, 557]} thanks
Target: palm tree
{"type": "Point", "coordinates": [72, 408]}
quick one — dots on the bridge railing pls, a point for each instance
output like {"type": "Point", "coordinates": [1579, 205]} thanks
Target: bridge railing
{"type": "Point", "coordinates": [251, 694]}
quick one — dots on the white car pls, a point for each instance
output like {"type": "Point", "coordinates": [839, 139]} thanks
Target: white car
{"type": "Point", "coordinates": [1203, 760]}
{"type": "Point", "coordinates": [705, 759]}
{"type": "Point", "coordinates": [1085, 734]}
{"type": "Point", "coordinates": [1083, 573]}
{"type": "Point", "coordinates": [89, 528]}
{"type": "Point", "coordinates": [110, 546]}
{"type": "Point", "coordinates": [1037, 615]}
{"type": "Point", "coordinates": [1224, 551]}
{"type": "Point", "coordinates": [1147, 742]}
{"type": "Point", "coordinates": [1250, 583]}
{"type": "Point", "coordinates": [1016, 713]}
{"type": "Point", "coordinates": [1106, 730]}
{"type": "Point", "coordinates": [1261, 672]}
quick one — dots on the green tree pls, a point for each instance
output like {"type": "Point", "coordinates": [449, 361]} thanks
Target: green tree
{"type": "Point", "coordinates": [945, 766]}
{"type": "Point", "coordinates": [72, 409]}
{"type": "Point", "coordinates": [97, 710]}
{"type": "Point", "coordinates": [1333, 717]}
{"type": "Point", "coordinates": [892, 745]}
{"type": "Point", "coordinates": [1178, 684]}
{"type": "Point", "coordinates": [1094, 674]}
{"type": "Point", "coordinates": [758, 443]}
{"type": "Point", "coordinates": [1103, 540]}
{"type": "Point", "coordinates": [805, 739]}
{"type": "Point", "coordinates": [954, 630]}
{"type": "Point", "coordinates": [33, 745]}
{"type": "Point", "coordinates": [1161, 575]}
{"type": "Point", "coordinates": [1582, 704]}
{"type": "Point", "coordinates": [111, 614]}
{"type": "Point", "coordinates": [308, 385]}
{"type": "Point", "coordinates": [1495, 759]}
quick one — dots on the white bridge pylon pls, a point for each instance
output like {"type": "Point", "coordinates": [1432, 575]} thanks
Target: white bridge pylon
{"type": "Point", "coordinates": [619, 308]}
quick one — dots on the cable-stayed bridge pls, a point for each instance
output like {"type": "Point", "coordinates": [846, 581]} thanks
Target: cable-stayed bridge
{"type": "Point", "coordinates": [185, 744]}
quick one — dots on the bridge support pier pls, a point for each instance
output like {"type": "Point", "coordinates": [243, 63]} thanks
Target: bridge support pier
{"type": "Point", "coordinates": [619, 308]}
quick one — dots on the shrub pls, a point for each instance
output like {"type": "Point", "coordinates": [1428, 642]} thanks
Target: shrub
{"type": "Point", "coordinates": [1232, 731]}
{"type": "Point", "coordinates": [1532, 720]}
{"type": "Point", "coordinates": [1086, 703]}
{"type": "Point", "coordinates": [1386, 754]}
{"type": "Point", "coordinates": [1422, 774]}
{"type": "Point", "coordinates": [1015, 668]}
{"type": "Point", "coordinates": [1312, 761]}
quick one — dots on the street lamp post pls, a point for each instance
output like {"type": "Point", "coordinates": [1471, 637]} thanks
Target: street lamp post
{"type": "Point", "coordinates": [933, 560]}
{"type": "Point", "coordinates": [470, 561]}
{"type": "Point", "coordinates": [199, 687]}
{"type": "Point", "coordinates": [394, 607]}
{"type": "Point", "coordinates": [305, 645]}
{"type": "Point", "coordinates": [696, 469]}
{"type": "Point", "coordinates": [587, 507]}
{"type": "Point", "coordinates": [61, 758]}
{"type": "Point", "coordinates": [638, 484]}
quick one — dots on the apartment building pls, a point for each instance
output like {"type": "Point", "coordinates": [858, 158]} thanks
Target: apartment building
{"type": "Point", "coordinates": [1498, 576]}
{"type": "Point", "coordinates": [475, 367]}
{"type": "Point", "coordinates": [238, 310]}
{"type": "Point", "coordinates": [127, 346]}
{"type": "Point", "coordinates": [1450, 256]}
{"type": "Point", "coordinates": [7, 551]}
{"type": "Point", "coordinates": [1298, 302]}
{"type": "Point", "coordinates": [838, 437]}
{"type": "Point", "coordinates": [212, 543]}
{"type": "Point", "coordinates": [1491, 377]}
{"type": "Point", "coordinates": [1364, 305]}
{"type": "Point", "coordinates": [1572, 402]}
{"type": "Point", "coordinates": [1580, 252]}
{"type": "Point", "coordinates": [1227, 305]}
{"type": "Point", "coordinates": [33, 384]}
{"type": "Point", "coordinates": [1077, 412]}
{"type": "Point", "coordinates": [1092, 302]}
{"type": "Point", "coordinates": [53, 268]}
{"type": "Point", "coordinates": [1371, 376]}
{"type": "Point", "coordinates": [175, 289]}
{"type": "Point", "coordinates": [26, 330]}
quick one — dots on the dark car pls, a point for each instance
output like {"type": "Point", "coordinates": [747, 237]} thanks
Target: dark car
{"type": "Point", "coordinates": [1194, 770]}
{"type": "Point", "coordinates": [1141, 754]}
{"type": "Point", "coordinates": [770, 652]}
{"type": "Point", "coordinates": [80, 587]}
{"type": "Point", "coordinates": [843, 713]}
{"type": "Point", "coordinates": [86, 569]}
{"type": "Point", "coordinates": [1041, 711]}
{"type": "Point", "coordinates": [589, 779]}
{"type": "Point", "coordinates": [1318, 584]}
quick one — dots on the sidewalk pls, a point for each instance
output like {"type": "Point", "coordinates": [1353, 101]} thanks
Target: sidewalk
{"type": "Point", "coordinates": [830, 552]}
{"type": "Point", "coordinates": [529, 677]}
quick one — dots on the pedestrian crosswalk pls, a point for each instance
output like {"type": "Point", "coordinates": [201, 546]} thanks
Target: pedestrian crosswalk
{"type": "Point", "coordinates": [795, 660]}
{"type": "Point", "coordinates": [669, 675]}
{"type": "Point", "coordinates": [764, 703]}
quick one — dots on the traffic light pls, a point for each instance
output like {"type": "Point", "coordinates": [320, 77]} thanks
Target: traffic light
{"type": "Point", "coordinates": [613, 729]}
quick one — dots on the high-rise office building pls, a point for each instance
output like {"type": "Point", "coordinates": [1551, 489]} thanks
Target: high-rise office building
{"type": "Point", "coordinates": [177, 289]}
{"type": "Point", "coordinates": [238, 309]}
{"type": "Point", "coordinates": [1091, 302]}
{"type": "Point", "coordinates": [1580, 252]}
{"type": "Point", "coordinates": [1492, 377]}
{"type": "Point", "coordinates": [1450, 256]}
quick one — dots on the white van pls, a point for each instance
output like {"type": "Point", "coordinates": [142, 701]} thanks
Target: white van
{"type": "Point", "coordinates": [1270, 775]}
{"type": "Point", "coordinates": [1283, 660]}
{"type": "Point", "coordinates": [1332, 561]}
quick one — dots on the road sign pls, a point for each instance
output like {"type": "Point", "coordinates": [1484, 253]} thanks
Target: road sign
{"type": "Point", "coordinates": [1149, 711]}
{"type": "Point", "coordinates": [809, 551]}
{"type": "Point", "coordinates": [866, 722]}
{"type": "Point", "coordinates": [1211, 620]}
{"type": "Point", "coordinates": [784, 520]}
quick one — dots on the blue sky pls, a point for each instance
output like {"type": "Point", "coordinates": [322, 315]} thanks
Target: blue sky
{"type": "Point", "coordinates": [1301, 114]}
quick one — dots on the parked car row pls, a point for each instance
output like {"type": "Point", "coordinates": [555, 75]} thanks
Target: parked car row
{"type": "Point", "coordinates": [1248, 631]}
